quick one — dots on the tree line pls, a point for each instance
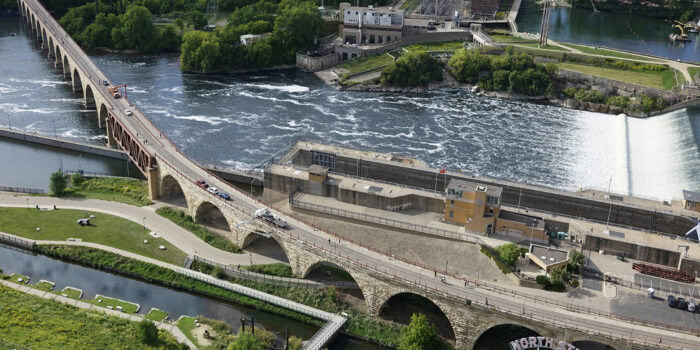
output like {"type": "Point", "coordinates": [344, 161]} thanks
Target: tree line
{"type": "Point", "coordinates": [293, 25]}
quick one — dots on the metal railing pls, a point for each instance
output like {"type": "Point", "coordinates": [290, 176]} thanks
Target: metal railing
{"type": "Point", "coordinates": [22, 190]}
{"type": "Point", "coordinates": [16, 241]}
{"type": "Point", "coordinates": [276, 280]}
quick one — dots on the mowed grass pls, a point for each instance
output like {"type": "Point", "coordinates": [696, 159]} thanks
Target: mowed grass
{"type": "Point", "coordinates": [156, 315]}
{"type": "Point", "coordinates": [15, 277]}
{"type": "Point", "coordinates": [594, 51]}
{"type": "Point", "coordinates": [186, 325]}
{"type": "Point", "coordinates": [502, 38]}
{"type": "Point", "coordinates": [109, 230]}
{"type": "Point", "coordinates": [103, 301]}
{"type": "Point", "coordinates": [661, 80]}
{"type": "Point", "coordinates": [45, 286]}
{"type": "Point", "coordinates": [366, 63]}
{"type": "Point", "coordinates": [70, 292]}
{"type": "Point", "coordinates": [37, 323]}
{"type": "Point", "coordinates": [694, 71]}
{"type": "Point", "coordinates": [278, 269]}
{"type": "Point", "coordinates": [443, 46]}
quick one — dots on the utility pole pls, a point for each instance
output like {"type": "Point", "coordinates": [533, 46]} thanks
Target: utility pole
{"type": "Point", "coordinates": [610, 200]}
{"type": "Point", "coordinates": [544, 26]}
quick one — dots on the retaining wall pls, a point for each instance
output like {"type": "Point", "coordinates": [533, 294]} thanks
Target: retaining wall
{"type": "Point", "coordinates": [633, 251]}
{"type": "Point", "coordinates": [63, 144]}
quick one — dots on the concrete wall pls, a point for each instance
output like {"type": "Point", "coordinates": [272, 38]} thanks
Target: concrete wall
{"type": "Point", "coordinates": [690, 266]}
{"type": "Point", "coordinates": [632, 251]}
{"type": "Point", "coordinates": [539, 199]}
{"type": "Point", "coordinates": [63, 144]}
{"type": "Point", "coordinates": [314, 64]}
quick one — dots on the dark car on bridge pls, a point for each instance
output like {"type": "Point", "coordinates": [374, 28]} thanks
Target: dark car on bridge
{"type": "Point", "coordinates": [682, 304]}
{"type": "Point", "coordinates": [202, 184]}
{"type": "Point", "coordinates": [225, 196]}
{"type": "Point", "coordinates": [671, 301]}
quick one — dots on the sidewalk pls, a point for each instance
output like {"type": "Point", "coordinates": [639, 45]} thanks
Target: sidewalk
{"type": "Point", "coordinates": [178, 236]}
{"type": "Point", "coordinates": [176, 332]}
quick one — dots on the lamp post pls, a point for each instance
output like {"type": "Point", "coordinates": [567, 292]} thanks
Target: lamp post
{"type": "Point", "coordinates": [445, 266]}
{"type": "Point", "coordinates": [694, 282]}
{"type": "Point", "coordinates": [609, 200]}
{"type": "Point", "coordinates": [532, 229]}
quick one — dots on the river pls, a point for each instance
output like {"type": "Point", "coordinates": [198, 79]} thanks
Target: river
{"type": "Point", "coordinates": [174, 302]}
{"type": "Point", "coordinates": [240, 120]}
{"type": "Point", "coordinates": [626, 32]}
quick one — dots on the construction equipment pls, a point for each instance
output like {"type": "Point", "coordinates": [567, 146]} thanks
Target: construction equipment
{"type": "Point", "coordinates": [114, 90]}
{"type": "Point", "coordinates": [679, 37]}
{"type": "Point", "coordinates": [670, 274]}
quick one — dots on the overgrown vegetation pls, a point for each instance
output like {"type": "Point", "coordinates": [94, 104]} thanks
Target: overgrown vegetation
{"type": "Point", "coordinates": [43, 324]}
{"type": "Point", "coordinates": [109, 230]}
{"type": "Point", "coordinates": [420, 334]}
{"type": "Point", "coordinates": [278, 269]}
{"type": "Point", "coordinates": [116, 189]}
{"type": "Point", "coordinates": [513, 71]}
{"type": "Point", "coordinates": [293, 25]}
{"type": "Point", "coordinates": [493, 254]}
{"type": "Point", "coordinates": [326, 299]}
{"type": "Point", "coordinates": [557, 280]}
{"type": "Point", "coordinates": [509, 252]}
{"type": "Point", "coordinates": [57, 183]}
{"type": "Point", "coordinates": [185, 221]}
{"type": "Point", "coordinates": [412, 69]}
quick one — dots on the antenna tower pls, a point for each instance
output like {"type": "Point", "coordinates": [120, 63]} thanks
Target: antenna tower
{"type": "Point", "coordinates": [212, 9]}
{"type": "Point", "coordinates": [544, 27]}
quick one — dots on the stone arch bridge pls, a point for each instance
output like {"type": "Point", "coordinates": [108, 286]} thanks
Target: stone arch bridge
{"type": "Point", "coordinates": [165, 167]}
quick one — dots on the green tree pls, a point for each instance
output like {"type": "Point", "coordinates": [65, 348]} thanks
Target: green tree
{"type": "Point", "coordinates": [147, 332]}
{"type": "Point", "coordinates": [558, 277]}
{"type": "Point", "coordinates": [137, 27]}
{"type": "Point", "coordinates": [420, 334]}
{"type": "Point", "coordinates": [57, 183]}
{"type": "Point", "coordinates": [99, 33]}
{"type": "Point", "coordinates": [412, 69]}
{"type": "Point", "coordinates": [576, 260]}
{"type": "Point", "coordinates": [297, 24]}
{"type": "Point", "coordinates": [647, 103]}
{"type": "Point", "coordinates": [76, 180]}
{"type": "Point", "coordinates": [467, 65]}
{"type": "Point", "coordinates": [78, 18]}
{"type": "Point", "coordinates": [246, 341]}
{"type": "Point", "coordinates": [191, 41]}
{"type": "Point", "coordinates": [197, 19]}
{"type": "Point", "coordinates": [209, 54]}
{"type": "Point", "coordinates": [509, 252]}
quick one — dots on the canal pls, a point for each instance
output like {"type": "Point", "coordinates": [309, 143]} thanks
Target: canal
{"type": "Point", "coordinates": [622, 31]}
{"type": "Point", "coordinates": [174, 302]}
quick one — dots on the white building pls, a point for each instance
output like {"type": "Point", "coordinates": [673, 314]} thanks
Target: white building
{"type": "Point", "coordinates": [370, 26]}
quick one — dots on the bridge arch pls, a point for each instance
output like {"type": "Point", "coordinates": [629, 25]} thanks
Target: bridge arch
{"type": "Point", "coordinates": [499, 334]}
{"type": "Point", "coordinates": [52, 53]}
{"type": "Point", "coordinates": [400, 306]}
{"type": "Point", "coordinates": [591, 345]}
{"type": "Point", "coordinates": [170, 189]}
{"type": "Point", "coordinates": [89, 98]}
{"type": "Point", "coordinates": [102, 115]}
{"type": "Point", "coordinates": [328, 271]}
{"type": "Point", "coordinates": [59, 57]}
{"type": "Point", "coordinates": [44, 39]}
{"type": "Point", "coordinates": [271, 247]}
{"type": "Point", "coordinates": [77, 82]}
{"type": "Point", "coordinates": [66, 68]}
{"type": "Point", "coordinates": [209, 214]}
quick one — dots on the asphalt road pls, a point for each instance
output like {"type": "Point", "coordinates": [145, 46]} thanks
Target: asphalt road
{"type": "Point", "coordinates": [300, 232]}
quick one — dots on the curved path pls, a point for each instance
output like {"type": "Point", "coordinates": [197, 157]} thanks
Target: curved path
{"type": "Point", "coordinates": [171, 232]}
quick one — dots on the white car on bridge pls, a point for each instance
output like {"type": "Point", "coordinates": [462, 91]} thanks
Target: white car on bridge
{"type": "Point", "coordinates": [213, 190]}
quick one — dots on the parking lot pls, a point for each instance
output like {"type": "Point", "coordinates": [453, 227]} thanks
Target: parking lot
{"type": "Point", "coordinates": [638, 305]}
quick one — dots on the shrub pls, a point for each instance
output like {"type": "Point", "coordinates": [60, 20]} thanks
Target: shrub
{"type": "Point", "coordinates": [76, 180]}
{"type": "Point", "coordinates": [420, 334]}
{"type": "Point", "coordinates": [589, 96]}
{"type": "Point", "coordinates": [57, 183]}
{"type": "Point", "coordinates": [542, 279]}
{"type": "Point", "coordinates": [502, 265]}
{"type": "Point", "coordinates": [294, 343]}
{"type": "Point", "coordinates": [620, 101]}
{"type": "Point", "coordinates": [509, 253]}
{"type": "Point", "coordinates": [574, 283]}
{"type": "Point", "coordinates": [647, 103]}
{"type": "Point", "coordinates": [570, 92]}
{"type": "Point", "coordinates": [147, 332]}
{"type": "Point", "coordinates": [217, 272]}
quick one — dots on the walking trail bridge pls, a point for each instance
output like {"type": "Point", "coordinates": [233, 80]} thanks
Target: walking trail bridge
{"type": "Point", "coordinates": [469, 307]}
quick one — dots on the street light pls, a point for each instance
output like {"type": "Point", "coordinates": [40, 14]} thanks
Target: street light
{"type": "Point", "coordinates": [532, 229]}
{"type": "Point", "coordinates": [446, 266]}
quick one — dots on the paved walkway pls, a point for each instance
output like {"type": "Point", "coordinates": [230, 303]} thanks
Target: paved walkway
{"type": "Point", "coordinates": [178, 236]}
{"type": "Point", "coordinates": [176, 332]}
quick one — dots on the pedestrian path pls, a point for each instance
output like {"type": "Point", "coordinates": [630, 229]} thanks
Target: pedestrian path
{"type": "Point", "coordinates": [176, 332]}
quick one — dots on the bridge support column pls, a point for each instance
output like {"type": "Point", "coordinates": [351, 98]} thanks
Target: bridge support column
{"type": "Point", "coordinates": [111, 142]}
{"type": "Point", "coordinates": [153, 183]}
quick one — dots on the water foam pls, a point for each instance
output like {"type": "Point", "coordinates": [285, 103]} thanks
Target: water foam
{"type": "Point", "coordinates": [285, 88]}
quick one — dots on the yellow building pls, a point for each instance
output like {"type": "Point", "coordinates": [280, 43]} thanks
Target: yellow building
{"type": "Point", "coordinates": [472, 205]}
{"type": "Point", "coordinates": [691, 200]}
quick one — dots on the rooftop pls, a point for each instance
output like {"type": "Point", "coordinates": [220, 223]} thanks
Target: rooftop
{"type": "Point", "coordinates": [529, 221]}
{"type": "Point", "coordinates": [455, 187]}
{"type": "Point", "coordinates": [317, 169]}
{"type": "Point", "coordinates": [691, 196]}
{"type": "Point", "coordinates": [548, 255]}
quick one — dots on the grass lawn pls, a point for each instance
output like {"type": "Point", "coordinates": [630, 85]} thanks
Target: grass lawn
{"type": "Point", "coordinates": [156, 315]}
{"type": "Point", "coordinates": [37, 323]}
{"type": "Point", "coordinates": [535, 45]}
{"type": "Point", "coordinates": [128, 191]}
{"type": "Point", "coordinates": [59, 225]}
{"type": "Point", "coordinates": [693, 71]}
{"type": "Point", "coordinates": [612, 53]}
{"type": "Point", "coordinates": [279, 269]}
{"type": "Point", "coordinates": [185, 221]}
{"type": "Point", "coordinates": [129, 308]}
{"type": "Point", "coordinates": [16, 276]}
{"type": "Point", "coordinates": [443, 46]}
{"type": "Point", "coordinates": [73, 293]}
{"type": "Point", "coordinates": [366, 63]}
{"type": "Point", "coordinates": [504, 38]}
{"type": "Point", "coordinates": [186, 325]}
{"type": "Point", "coordinates": [660, 80]}
{"type": "Point", "coordinates": [45, 286]}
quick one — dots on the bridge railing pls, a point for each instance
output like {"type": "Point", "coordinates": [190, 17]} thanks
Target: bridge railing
{"type": "Point", "coordinates": [22, 190]}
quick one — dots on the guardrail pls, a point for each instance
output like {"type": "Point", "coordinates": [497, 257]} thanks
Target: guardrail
{"type": "Point", "coordinates": [22, 190]}
{"type": "Point", "coordinates": [276, 280]}
{"type": "Point", "coordinates": [295, 202]}
{"type": "Point", "coordinates": [17, 241]}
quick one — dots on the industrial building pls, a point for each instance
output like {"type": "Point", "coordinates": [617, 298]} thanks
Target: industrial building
{"type": "Point", "coordinates": [691, 200]}
{"type": "Point", "coordinates": [547, 258]}
{"type": "Point", "coordinates": [370, 26]}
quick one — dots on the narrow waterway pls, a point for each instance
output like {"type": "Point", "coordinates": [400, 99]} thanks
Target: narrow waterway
{"type": "Point", "coordinates": [622, 31]}
{"type": "Point", "coordinates": [174, 302]}
{"type": "Point", "coordinates": [241, 120]}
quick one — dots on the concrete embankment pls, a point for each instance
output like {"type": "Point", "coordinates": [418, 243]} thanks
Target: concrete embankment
{"type": "Point", "coordinates": [227, 174]}
{"type": "Point", "coordinates": [62, 143]}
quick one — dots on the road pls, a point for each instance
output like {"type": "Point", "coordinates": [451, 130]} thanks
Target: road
{"type": "Point", "coordinates": [322, 242]}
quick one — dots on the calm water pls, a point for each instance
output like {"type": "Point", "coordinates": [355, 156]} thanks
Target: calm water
{"type": "Point", "coordinates": [239, 121]}
{"type": "Point", "coordinates": [627, 32]}
{"type": "Point", "coordinates": [174, 302]}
